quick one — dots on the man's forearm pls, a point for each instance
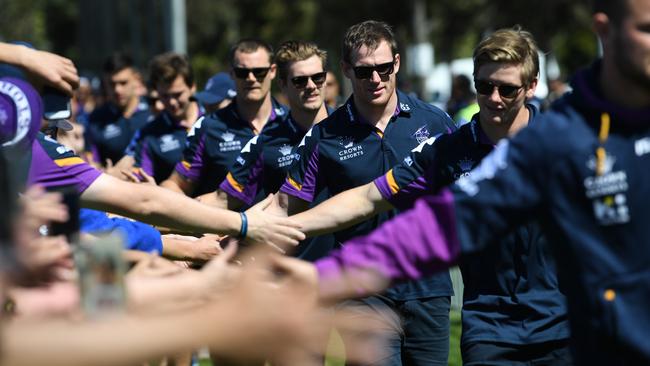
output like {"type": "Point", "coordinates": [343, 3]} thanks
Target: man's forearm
{"type": "Point", "coordinates": [414, 244]}
{"type": "Point", "coordinates": [342, 211]}
{"type": "Point", "coordinates": [160, 207]}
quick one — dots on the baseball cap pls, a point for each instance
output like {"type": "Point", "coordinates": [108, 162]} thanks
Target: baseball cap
{"type": "Point", "coordinates": [21, 110]}
{"type": "Point", "coordinates": [219, 87]}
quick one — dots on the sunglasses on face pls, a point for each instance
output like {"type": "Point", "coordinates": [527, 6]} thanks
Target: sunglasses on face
{"type": "Point", "coordinates": [505, 91]}
{"type": "Point", "coordinates": [258, 72]}
{"type": "Point", "coordinates": [365, 72]}
{"type": "Point", "coordinates": [300, 82]}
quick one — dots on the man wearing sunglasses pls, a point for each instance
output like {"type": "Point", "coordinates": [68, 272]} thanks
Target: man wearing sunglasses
{"type": "Point", "coordinates": [262, 165]}
{"type": "Point", "coordinates": [512, 306]}
{"type": "Point", "coordinates": [216, 139]}
{"type": "Point", "coordinates": [374, 130]}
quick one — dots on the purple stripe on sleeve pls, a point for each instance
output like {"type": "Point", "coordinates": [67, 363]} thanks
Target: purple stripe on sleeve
{"type": "Point", "coordinates": [145, 160]}
{"type": "Point", "coordinates": [250, 189]}
{"type": "Point", "coordinates": [383, 187]}
{"type": "Point", "coordinates": [417, 243]}
{"type": "Point", "coordinates": [308, 188]}
{"type": "Point", "coordinates": [193, 173]}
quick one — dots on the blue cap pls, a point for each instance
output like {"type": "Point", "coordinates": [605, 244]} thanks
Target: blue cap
{"type": "Point", "coordinates": [219, 87]}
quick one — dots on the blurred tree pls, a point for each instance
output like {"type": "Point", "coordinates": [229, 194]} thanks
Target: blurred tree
{"type": "Point", "coordinates": [89, 30]}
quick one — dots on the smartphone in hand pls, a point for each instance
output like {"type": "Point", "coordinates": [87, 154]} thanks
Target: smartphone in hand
{"type": "Point", "coordinates": [101, 275]}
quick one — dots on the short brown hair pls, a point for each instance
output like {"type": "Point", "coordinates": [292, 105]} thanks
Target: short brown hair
{"type": "Point", "coordinates": [166, 67]}
{"type": "Point", "coordinates": [512, 46]}
{"type": "Point", "coordinates": [293, 51]}
{"type": "Point", "coordinates": [249, 45]}
{"type": "Point", "coordinates": [370, 34]}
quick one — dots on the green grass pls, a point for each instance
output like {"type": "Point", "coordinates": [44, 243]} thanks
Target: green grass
{"type": "Point", "coordinates": [454, 339]}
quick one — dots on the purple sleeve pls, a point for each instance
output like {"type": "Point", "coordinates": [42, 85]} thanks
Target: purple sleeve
{"type": "Point", "coordinates": [145, 161]}
{"type": "Point", "coordinates": [405, 197]}
{"type": "Point", "coordinates": [65, 170]}
{"type": "Point", "coordinates": [417, 243]}
{"type": "Point", "coordinates": [248, 191]}
{"type": "Point", "coordinates": [192, 164]}
{"type": "Point", "coordinates": [303, 187]}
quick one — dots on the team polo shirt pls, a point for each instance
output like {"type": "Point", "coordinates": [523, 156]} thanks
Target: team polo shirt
{"type": "Point", "coordinates": [158, 146]}
{"type": "Point", "coordinates": [511, 292]}
{"type": "Point", "coordinates": [343, 152]}
{"type": "Point", "coordinates": [596, 219]}
{"type": "Point", "coordinates": [262, 167]}
{"type": "Point", "coordinates": [108, 132]}
{"type": "Point", "coordinates": [54, 165]}
{"type": "Point", "coordinates": [263, 163]}
{"type": "Point", "coordinates": [214, 142]}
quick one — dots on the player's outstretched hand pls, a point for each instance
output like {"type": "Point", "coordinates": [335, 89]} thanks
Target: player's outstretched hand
{"type": "Point", "coordinates": [278, 232]}
{"type": "Point", "coordinates": [280, 314]}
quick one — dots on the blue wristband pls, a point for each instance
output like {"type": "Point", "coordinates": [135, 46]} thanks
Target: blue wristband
{"type": "Point", "coordinates": [244, 225]}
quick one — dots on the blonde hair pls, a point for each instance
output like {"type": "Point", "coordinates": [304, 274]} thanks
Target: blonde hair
{"type": "Point", "coordinates": [510, 45]}
{"type": "Point", "coordinates": [292, 51]}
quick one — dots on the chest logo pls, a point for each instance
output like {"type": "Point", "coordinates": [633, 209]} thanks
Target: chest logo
{"type": "Point", "coordinates": [229, 143]}
{"type": "Point", "coordinates": [112, 131]}
{"type": "Point", "coordinates": [287, 157]}
{"type": "Point", "coordinates": [169, 143]}
{"type": "Point", "coordinates": [422, 134]}
{"type": "Point", "coordinates": [464, 166]}
{"type": "Point", "coordinates": [608, 192]}
{"type": "Point", "coordinates": [350, 150]}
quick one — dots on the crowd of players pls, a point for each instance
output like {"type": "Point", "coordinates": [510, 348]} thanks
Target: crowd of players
{"type": "Point", "coordinates": [346, 213]}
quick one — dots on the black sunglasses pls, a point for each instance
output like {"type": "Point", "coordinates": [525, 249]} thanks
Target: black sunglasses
{"type": "Point", "coordinates": [365, 72]}
{"type": "Point", "coordinates": [300, 82]}
{"type": "Point", "coordinates": [505, 91]}
{"type": "Point", "coordinates": [258, 72]}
